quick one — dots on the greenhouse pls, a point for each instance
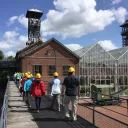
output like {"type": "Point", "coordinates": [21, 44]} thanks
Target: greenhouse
{"type": "Point", "coordinates": [98, 66]}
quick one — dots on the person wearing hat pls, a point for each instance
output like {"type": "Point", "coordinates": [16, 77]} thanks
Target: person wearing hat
{"type": "Point", "coordinates": [72, 92]}
{"type": "Point", "coordinates": [27, 87]}
{"type": "Point", "coordinates": [55, 91]}
{"type": "Point", "coordinates": [37, 90]}
{"type": "Point", "coordinates": [18, 77]}
{"type": "Point", "coordinates": [32, 78]}
{"type": "Point", "coordinates": [22, 85]}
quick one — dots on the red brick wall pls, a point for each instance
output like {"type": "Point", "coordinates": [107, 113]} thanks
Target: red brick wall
{"type": "Point", "coordinates": [63, 57]}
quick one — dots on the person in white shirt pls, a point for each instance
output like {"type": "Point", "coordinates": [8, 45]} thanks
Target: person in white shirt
{"type": "Point", "coordinates": [55, 91]}
{"type": "Point", "coordinates": [14, 76]}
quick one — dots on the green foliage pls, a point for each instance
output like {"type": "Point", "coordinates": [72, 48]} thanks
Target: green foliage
{"type": "Point", "coordinates": [3, 74]}
{"type": "Point", "coordinates": [10, 58]}
{"type": "Point", "coordinates": [1, 55]}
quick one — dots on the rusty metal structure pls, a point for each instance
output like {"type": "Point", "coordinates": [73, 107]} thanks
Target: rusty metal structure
{"type": "Point", "coordinates": [34, 24]}
{"type": "Point", "coordinates": [124, 33]}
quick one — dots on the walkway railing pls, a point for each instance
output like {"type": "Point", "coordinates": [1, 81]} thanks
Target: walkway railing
{"type": "Point", "coordinates": [90, 111]}
{"type": "Point", "coordinates": [104, 116]}
{"type": "Point", "coordinates": [4, 108]}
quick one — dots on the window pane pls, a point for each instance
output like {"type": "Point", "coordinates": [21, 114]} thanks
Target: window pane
{"type": "Point", "coordinates": [65, 70]}
{"type": "Point", "coordinates": [37, 69]}
{"type": "Point", "coordinates": [51, 70]}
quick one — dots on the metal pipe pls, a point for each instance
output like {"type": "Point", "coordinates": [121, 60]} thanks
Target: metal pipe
{"type": "Point", "coordinates": [55, 59]}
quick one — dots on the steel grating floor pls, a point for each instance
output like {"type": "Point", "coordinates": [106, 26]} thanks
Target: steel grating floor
{"type": "Point", "coordinates": [54, 119]}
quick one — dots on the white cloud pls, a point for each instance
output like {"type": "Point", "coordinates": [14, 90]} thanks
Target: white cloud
{"type": "Point", "coordinates": [13, 41]}
{"type": "Point", "coordinates": [10, 53]}
{"type": "Point", "coordinates": [16, 29]}
{"type": "Point", "coordinates": [10, 34]}
{"type": "Point", "coordinates": [23, 20]}
{"type": "Point", "coordinates": [75, 18]}
{"type": "Point", "coordinates": [4, 45]}
{"type": "Point", "coordinates": [73, 47]}
{"type": "Point", "coordinates": [120, 14]}
{"type": "Point", "coordinates": [12, 20]}
{"type": "Point", "coordinates": [107, 45]}
{"type": "Point", "coordinates": [22, 38]}
{"type": "Point", "coordinates": [116, 1]}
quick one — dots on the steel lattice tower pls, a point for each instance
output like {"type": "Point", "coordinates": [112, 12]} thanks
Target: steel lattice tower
{"type": "Point", "coordinates": [34, 24]}
{"type": "Point", "coordinates": [124, 33]}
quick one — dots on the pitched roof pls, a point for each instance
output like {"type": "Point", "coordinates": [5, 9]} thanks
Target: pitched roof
{"type": "Point", "coordinates": [34, 13]}
{"type": "Point", "coordinates": [66, 48]}
{"type": "Point", "coordinates": [81, 51]}
{"type": "Point", "coordinates": [26, 49]}
{"type": "Point", "coordinates": [124, 24]}
{"type": "Point", "coordinates": [34, 10]}
{"type": "Point", "coordinates": [117, 53]}
{"type": "Point", "coordinates": [38, 46]}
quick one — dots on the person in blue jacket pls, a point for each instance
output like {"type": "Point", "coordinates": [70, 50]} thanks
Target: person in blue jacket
{"type": "Point", "coordinates": [32, 78]}
{"type": "Point", "coordinates": [27, 87]}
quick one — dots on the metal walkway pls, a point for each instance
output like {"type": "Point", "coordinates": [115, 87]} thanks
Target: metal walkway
{"type": "Point", "coordinates": [19, 116]}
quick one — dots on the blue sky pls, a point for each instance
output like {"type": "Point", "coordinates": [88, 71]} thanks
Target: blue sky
{"type": "Point", "coordinates": [75, 23]}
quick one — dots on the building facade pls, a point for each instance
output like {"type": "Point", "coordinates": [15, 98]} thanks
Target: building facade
{"type": "Point", "coordinates": [98, 66]}
{"type": "Point", "coordinates": [46, 58]}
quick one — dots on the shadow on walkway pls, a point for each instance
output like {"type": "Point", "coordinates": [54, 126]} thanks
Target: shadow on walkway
{"type": "Point", "coordinates": [54, 119]}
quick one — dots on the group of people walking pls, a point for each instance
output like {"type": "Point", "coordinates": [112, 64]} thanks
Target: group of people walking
{"type": "Point", "coordinates": [69, 88]}
{"type": "Point", "coordinates": [31, 86]}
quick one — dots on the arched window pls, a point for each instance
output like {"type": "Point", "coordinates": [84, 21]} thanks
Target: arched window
{"type": "Point", "coordinates": [98, 80]}
{"type": "Point", "coordinates": [121, 80]}
{"type": "Point", "coordinates": [108, 80]}
{"type": "Point", "coordinates": [112, 79]}
{"type": "Point", "coordinates": [125, 80]}
{"type": "Point", "coordinates": [92, 79]}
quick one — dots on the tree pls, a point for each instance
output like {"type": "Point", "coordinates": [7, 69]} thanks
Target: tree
{"type": "Point", "coordinates": [10, 58]}
{"type": "Point", "coordinates": [1, 55]}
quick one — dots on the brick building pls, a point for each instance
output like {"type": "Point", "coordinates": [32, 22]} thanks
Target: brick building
{"type": "Point", "coordinates": [46, 58]}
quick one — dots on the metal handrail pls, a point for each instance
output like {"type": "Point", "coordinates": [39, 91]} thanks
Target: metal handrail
{"type": "Point", "coordinates": [95, 111]}
{"type": "Point", "coordinates": [4, 108]}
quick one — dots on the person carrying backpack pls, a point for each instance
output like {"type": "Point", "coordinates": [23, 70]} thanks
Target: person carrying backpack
{"type": "Point", "coordinates": [38, 90]}
{"type": "Point", "coordinates": [27, 87]}
{"type": "Point", "coordinates": [22, 85]}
